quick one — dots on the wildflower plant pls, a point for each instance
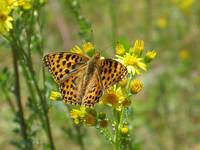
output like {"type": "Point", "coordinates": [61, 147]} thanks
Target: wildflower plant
{"type": "Point", "coordinates": [110, 115]}
{"type": "Point", "coordinates": [20, 26]}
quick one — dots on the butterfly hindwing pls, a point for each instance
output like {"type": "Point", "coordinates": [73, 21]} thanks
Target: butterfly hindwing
{"type": "Point", "coordinates": [71, 87]}
{"type": "Point", "coordinates": [81, 81]}
{"type": "Point", "coordinates": [62, 63]}
{"type": "Point", "coordinates": [94, 90]}
{"type": "Point", "coordinates": [111, 72]}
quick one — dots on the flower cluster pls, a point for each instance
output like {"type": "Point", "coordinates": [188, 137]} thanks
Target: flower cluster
{"type": "Point", "coordinates": [6, 10]}
{"type": "Point", "coordinates": [118, 97]}
{"type": "Point", "coordinates": [133, 57]}
{"type": "Point", "coordinates": [89, 117]}
{"type": "Point", "coordinates": [184, 5]}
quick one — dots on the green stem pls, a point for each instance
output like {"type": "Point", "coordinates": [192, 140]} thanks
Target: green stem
{"type": "Point", "coordinates": [18, 97]}
{"type": "Point", "coordinates": [107, 134]}
{"type": "Point", "coordinates": [116, 116]}
{"type": "Point", "coordinates": [28, 60]}
{"type": "Point", "coordinates": [112, 9]}
{"type": "Point", "coordinates": [43, 104]}
{"type": "Point", "coordinates": [80, 137]}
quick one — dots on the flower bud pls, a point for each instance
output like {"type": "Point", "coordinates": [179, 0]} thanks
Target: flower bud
{"type": "Point", "coordinates": [102, 115]}
{"type": "Point", "coordinates": [90, 120]}
{"type": "Point", "coordinates": [136, 86]}
{"type": "Point", "coordinates": [124, 130]}
{"type": "Point", "coordinates": [138, 47]}
{"type": "Point", "coordinates": [103, 123]}
{"type": "Point", "coordinates": [126, 103]}
{"type": "Point", "coordinates": [150, 55]}
{"type": "Point", "coordinates": [54, 96]}
{"type": "Point", "coordinates": [119, 49]}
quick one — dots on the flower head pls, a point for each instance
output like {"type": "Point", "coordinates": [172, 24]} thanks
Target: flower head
{"type": "Point", "coordinates": [87, 47]}
{"type": "Point", "coordinates": [5, 18]}
{"type": "Point", "coordinates": [186, 5]}
{"type": "Point", "coordinates": [77, 49]}
{"type": "Point", "coordinates": [162, 22]}
{"type": "Point", "coordinates": [184, 54]}
{"type": "Point", "coordinates": [136, 86]}
{"type": "Point", "coordinates": [25, 4]}
{"type": "Point", "coordinates": [134, 63]}
{"type": "Point", "coordinates": [113, 96]}
{"type": "Point", "coordinates": [78, 115]}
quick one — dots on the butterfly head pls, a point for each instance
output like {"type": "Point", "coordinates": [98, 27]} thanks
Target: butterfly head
{"type": "Point", "coordinates": [96, 55]}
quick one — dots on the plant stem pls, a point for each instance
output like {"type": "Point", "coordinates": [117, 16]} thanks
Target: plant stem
{"type": "Point", "coordinates": [44, 106]}
{"type": "Point", "coordinates": [116, 116]}
{"type": "Point", "coordinates": [18, 98]}
{"type": "Point", "coordinates": [80, 137]}
{"type": "Point", "coordinates": [112, 9]}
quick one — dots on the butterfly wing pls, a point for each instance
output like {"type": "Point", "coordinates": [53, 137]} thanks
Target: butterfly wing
{"type": "Point", "coordinates": [62, 64]}
{"type": "Point", "coordinates": [111, 72]}
{"type": "Point", "coordinates": [93, 91]}
{"type": "Point", "coordinates": [71, 87]}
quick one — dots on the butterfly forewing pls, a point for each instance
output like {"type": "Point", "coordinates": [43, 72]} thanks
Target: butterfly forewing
{"type": "Point", "coordinates": [83, 81]}
{"type": "Point", "coordinates": [111, 72]}
{"type": "Point", "coordinates": [62, 64]}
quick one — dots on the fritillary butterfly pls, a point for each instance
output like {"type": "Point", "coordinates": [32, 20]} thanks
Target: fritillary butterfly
{"type": "Point", "coordinates": [82, 80]}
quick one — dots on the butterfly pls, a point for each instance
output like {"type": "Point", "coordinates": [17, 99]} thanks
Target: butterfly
{"type": "Point", "coordinates": [83, 80]}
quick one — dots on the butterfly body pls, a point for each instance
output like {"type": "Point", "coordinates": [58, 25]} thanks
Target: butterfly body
{"type": "Point", "coordinates": [83, 80]}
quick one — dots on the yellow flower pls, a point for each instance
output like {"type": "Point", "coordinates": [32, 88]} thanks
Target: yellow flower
{"type": "Point", "coordinates": [136, 86]}
{"type": "Point", "coordinates": [25, 4]}
{"type": "Point", "coordinates": [162, 22]}
{"type": "Point", "coordinates": [124, 130]}
{"type": "Point", "coordinates": [12, 3]}
{"type": "Point", "coordinates": [87, 47]}
{"type": "Point", "coordinates": [119, 49]}
{"type": "Point", "coordinates": [5, 19]}
{"type": "Point", "coordinates": [184, 54]}
{"type": "Point", "coordinates": [185, 5]}
{"type": "Point", "coordinates": [77, 49]}
{"type": "Point", "coordinates": [55, 95]}
{"type": "Point", "coordinates": [78, 115]}
{"type": "Point", "coordinates": [113, 96]}
{"type": "Point", "coordinates": [134, 63]}
{"type": "Point", "coordinates": [138, 47]}
{"type": "Point", "coordinates": [150, 55]}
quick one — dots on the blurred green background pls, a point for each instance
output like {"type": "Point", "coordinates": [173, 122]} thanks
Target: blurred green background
{"type": "Point", "coordinates": [166, 114]}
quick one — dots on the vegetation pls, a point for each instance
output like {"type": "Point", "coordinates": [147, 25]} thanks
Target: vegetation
{"type": "Point", "coordinates": [155, 107]}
